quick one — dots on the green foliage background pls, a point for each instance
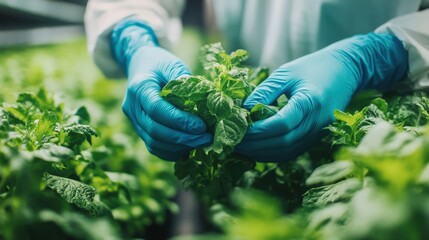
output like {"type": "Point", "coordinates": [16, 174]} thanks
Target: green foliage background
{"type": "Point", "coordinates": [135, 189]}
{"type": "Point", "coordinates": [72, 167]}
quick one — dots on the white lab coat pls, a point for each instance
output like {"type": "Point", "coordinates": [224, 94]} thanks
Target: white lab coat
{"type": "Point", "coordinates": [274, 31]}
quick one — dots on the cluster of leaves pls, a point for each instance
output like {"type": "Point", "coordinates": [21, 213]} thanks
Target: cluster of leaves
{"type": "Point", "coordinates": [41, 154]}
{"type": "Point", "coordinates": [405, 112]}
{"type": "Point", "coordinates": [383, 180]}
{"type": "Point", "coordinates": [217, 98]}
{"type": "Point", "coordinates": [380, 174]}
{"type": "Point", "coordinates": [120, 188]}
{"type": "Point", "coordinates": [49, 170]}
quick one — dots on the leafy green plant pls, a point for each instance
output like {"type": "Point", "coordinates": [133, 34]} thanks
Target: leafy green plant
{"type": "Point", "coordinates": [408, 112]}
{"type": "Point", "coordinates": [382, 182]}
{"type": "Point", "coordinates": [217, 98]}
{"type": "Point", "coordinates": [48, 146]}
{"type": "Point", "coordinates": [41, 144]}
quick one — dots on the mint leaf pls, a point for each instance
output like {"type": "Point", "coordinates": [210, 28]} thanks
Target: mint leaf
{"type": "Point", "coordinates": [53, 153]}
{"type": "Point", "coordinates": [325, 195]}
{"type": "Point", "coordinates": [80, 227]}
{"type": "Point", "coordinates": [238, 56]}
{"type": "Point", "coordinates": [45, 127]}
{"type": "Point", "coordinates": [235, 88]}
{"type": "Point", "coordinates": [230, 131]}
{"type": "Point", "coordinates": [77, 193]}
{"type": "Point", "coordinates": [78, 133]}
{"type": "Point", "coordinates": [331, 172]}
{"type": "Point", "coordinates": [84, 117]}
{"type": "Point", "coordinates": [219, 104]}
{"type": "Point", "coordinates": [258, 75]}
{"type": "Point", "coordinates": [261, 111]}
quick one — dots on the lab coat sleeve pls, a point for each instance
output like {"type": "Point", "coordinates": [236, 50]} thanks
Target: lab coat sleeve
{"type": "Point", "coordinates": [412, 29]}
{"type": "Point", "coordinates": [102, 15]}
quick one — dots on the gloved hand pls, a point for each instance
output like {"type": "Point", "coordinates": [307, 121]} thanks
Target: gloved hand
{"type": "Point", "coordinates": [316, 85]}
{"type": "Point", "coordinates": [167, 131]}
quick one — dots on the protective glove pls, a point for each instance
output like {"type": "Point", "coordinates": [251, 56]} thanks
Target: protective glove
{"type": "Point", "coordinates": [316, 85]}
{"type": "Point", "coordinates": [167, 131]}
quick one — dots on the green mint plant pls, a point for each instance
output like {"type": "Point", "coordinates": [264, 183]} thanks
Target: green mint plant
{"type": "Point", "coordinates": [405, 112]}
{"type": "Point", "coordinates": [41, 146]}
{"type": "Point", "coordinates": [217, 98]}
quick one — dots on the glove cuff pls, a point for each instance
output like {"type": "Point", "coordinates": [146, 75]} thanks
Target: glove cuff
{"type": "Point", "coordinates": [128, 36]}
{"type": "Point", "coordinates": [378, 60]}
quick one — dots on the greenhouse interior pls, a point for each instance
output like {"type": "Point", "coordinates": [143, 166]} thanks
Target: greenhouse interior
{"type": "Point", "coordinates": [229, 120]}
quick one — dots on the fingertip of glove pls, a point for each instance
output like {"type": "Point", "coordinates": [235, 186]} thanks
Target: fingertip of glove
{"type": "Point", "coordinates": [195, 125]}
{"type": "Point", "coordinates": [249, 103]}
{"type": "Point", "coordinates": [264, 126]}
{"type": "Point", "coordinates": [205, 140]}
{"type": "Point", "coordinates": [178, 70]}
{"type": "Point", "coordinates": [202, 140]}
{"type": "Point", "coordinates": [254, 128]}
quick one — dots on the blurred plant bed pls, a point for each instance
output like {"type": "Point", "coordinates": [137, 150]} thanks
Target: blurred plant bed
{"type": "Point", "coordinates": [137, 188]}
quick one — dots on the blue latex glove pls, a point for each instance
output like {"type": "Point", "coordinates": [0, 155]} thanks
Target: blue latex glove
{"type": "Point", "coordinates": [167, 131]}
{"type": "Point", "coordinates": [316, 85]}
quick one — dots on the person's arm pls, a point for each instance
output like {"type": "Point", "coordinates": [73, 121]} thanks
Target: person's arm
{"type": "Point", "coordinates": [316, 85]}
{"type": "Point", "coordinates": [392, 58]}
{"type": "Point", "coordinates": [413, 31]}
{"type": "Point", "coordinates": [163, 16]}
{"type": "Point", "coordinates": [129, 38]}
